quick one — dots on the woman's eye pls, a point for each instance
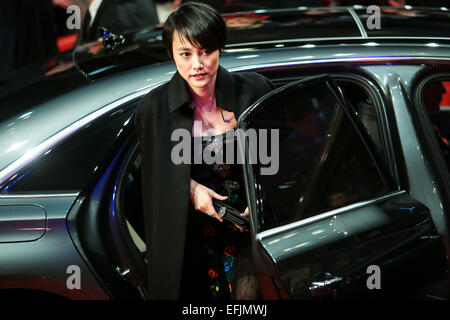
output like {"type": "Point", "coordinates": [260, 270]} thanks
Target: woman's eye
{"type": "Point", "coordinates": [185, 54]}
{"type": "Point", "coordinates": [207, 52]}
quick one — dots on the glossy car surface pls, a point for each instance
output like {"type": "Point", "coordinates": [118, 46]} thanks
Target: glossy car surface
{"type": "Point", "coordinates": [371, 188]}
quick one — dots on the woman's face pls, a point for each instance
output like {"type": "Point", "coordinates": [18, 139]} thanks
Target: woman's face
{"type": "Point", "coordinates": [197, 66]}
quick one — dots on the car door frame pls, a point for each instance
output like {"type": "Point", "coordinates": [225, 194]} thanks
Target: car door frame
{"type": "Point", "coordinates": [262, 257]}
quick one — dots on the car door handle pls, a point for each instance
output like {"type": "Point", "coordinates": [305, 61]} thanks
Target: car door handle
{"type": "Point", "coordinates": [323, 284]}
{"type": "Point", "coordinates": [124, 273]}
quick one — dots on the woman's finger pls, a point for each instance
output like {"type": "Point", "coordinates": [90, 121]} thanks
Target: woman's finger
{"type": "Point", "coordinates": [218, 196]}
{"type": "Point", "coordinates": [212, 213]}
{"type": "Point", "coordinates": [246, 213]}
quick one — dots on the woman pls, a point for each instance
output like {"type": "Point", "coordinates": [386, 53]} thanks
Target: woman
{"type": "Point", "coordinates": [206, 100]}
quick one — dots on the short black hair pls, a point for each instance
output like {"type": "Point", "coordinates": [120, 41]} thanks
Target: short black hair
{"type": "Point", "coordinates": [197, 22]}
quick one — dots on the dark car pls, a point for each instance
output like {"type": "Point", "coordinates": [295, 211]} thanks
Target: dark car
{"type": "Point", "coordinates": [359, 207]}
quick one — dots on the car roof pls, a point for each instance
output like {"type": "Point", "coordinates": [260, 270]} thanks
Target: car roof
{"type": "Point", "coordinates": [344, 22]}
{"type": "Point", "coordinates": [262, 28]}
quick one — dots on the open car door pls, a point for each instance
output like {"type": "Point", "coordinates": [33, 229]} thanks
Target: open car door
{"type": "Point", "coordinates": [327, 218]}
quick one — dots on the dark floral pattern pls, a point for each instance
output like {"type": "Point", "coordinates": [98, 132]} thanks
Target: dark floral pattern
{"type": "Point", "coordinates": [220, 242]}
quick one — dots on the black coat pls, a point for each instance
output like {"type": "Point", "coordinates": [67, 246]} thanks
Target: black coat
{"type": "Point", "coordinates": [165, 186]}
{"type": "Point", "coordinates": [118, 16]}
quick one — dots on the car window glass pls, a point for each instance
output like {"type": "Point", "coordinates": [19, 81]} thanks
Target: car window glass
{"type": "Point", "coordinates": [323, 162]}
{"type": "Point", "coordinates": [436, 100]}
{"type": "Point", "coordinates": [364, 106]}
{"type": "Point", "coordinates": [68, 165]}
{"type": "Point", "coordinates": [131, 202]}
{"type": "Point", "coordinates": [360, 98]}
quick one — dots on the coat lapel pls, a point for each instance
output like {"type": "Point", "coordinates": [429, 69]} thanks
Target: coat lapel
{"type": "Point", "coordinates": [225, 92]}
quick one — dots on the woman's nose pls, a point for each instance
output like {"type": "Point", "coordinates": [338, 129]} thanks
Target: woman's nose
{"type": "Point", "coordinates": [197, 62]}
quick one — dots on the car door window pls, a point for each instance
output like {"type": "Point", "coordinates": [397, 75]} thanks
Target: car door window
{"type": "Point", "coordinates": [359, 94]}
{"type": "Point", "coordinates": [324, 163]}
{"type": "Point", "coordinates": [436, 100]}
{"type": "Point", "coordinates": [131, 202]}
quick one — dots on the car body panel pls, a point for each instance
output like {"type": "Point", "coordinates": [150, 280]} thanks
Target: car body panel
{"type": "Point", "coordinates": [20, 223]}
{"type": "Point", "coordinates": [380, 237]}
{"type": "Point", "coordinates": [50, 256]}
{"type": "Point", "coordinates": [420, 177]}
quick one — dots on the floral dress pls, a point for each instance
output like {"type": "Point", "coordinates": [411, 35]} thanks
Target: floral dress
{"type": "Point", "coordinates": [213, 249]}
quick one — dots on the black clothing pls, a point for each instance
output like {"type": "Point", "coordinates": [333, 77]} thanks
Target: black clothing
{"type": "Point", "coordinates": [214, 175]}
{"type": "Point", "coordinates": [213, 247]}
{"type": "Point", "coordinates": [118, 16]}
{"type": "Point", "coordinates": [27, 34]}
{"type": "Point", "coordinates": [427, 3]}
{"type": "Point", "coordinates": [165, 185]}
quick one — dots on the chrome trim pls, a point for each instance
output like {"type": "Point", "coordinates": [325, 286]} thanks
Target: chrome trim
{"type": "Point", "coordinates": [288, 227]}
{"type": "Point", "coordinates": [43, 195]}
{"type": "Point", "coordinates": [49, 143]}
{"type": "Point", "coordinates": [332, 60]}
{"type": "Point", "coordinates": [328, 60]}
{"type": "Point", "coordinates": [245, 44]}
{"type": "Point", "coordinates": [410, 38]}
{"type": "Point", "coordinates": [358, 22]}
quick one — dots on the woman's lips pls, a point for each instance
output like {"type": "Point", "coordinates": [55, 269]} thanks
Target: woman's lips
{"type": "Point", "coordinates": [198, 76]}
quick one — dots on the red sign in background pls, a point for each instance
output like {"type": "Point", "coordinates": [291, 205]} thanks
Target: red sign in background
{"type": "Point", "coordinates": [445, 103]}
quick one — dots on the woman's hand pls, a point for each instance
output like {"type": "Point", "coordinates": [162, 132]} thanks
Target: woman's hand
{"type": "Point", "coordinates": [201, 198]}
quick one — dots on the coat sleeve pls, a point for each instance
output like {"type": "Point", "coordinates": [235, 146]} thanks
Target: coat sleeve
{"type": "Point", "coordinates": [250, 86]}
{"type": "Point", "coordinates": [258, 84]}
{"type": "Point", "coordinates": [265, 84]}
